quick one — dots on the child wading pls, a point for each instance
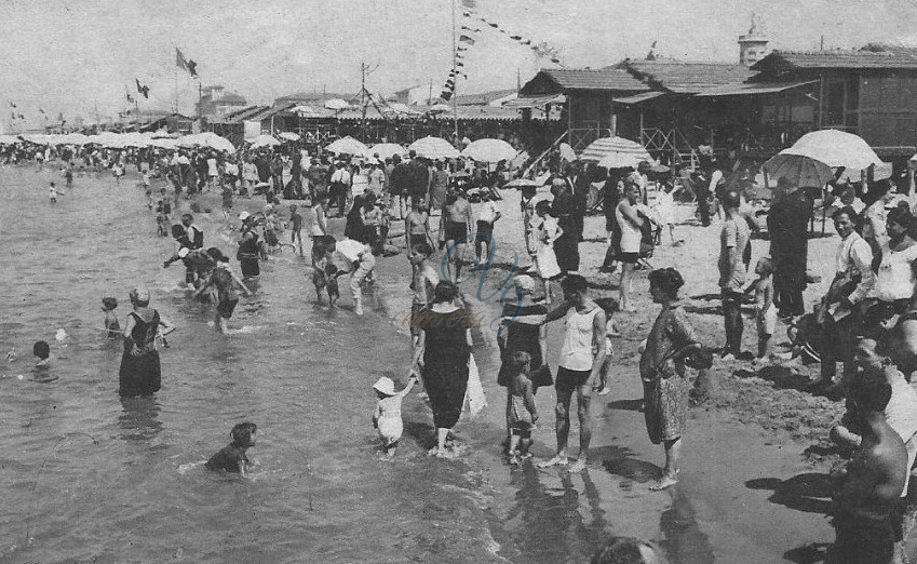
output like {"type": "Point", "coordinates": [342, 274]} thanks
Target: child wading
{"type": "Point", "coordinates": [387, 416]}
{"type": "Point", "coordinates": [224, 280]}
{"type": "Point", "coordinates": [232, 458]}
{"type": "Point", "coordinates": [521, 412]}
{"type": "Point", "coordinates": [765, 310]}
{"type": "Point", "coordinates": [111, 320]}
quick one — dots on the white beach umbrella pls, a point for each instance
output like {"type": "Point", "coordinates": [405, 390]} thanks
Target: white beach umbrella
{"type": "Point", "coordinates": [490, 151]}
{"type": "Point", "coordinates": [434, 148]}
{"type": "Point", "coordinates": [349, 146]}
{"type": "Point", "coordinates": [835, 148]}
{"type": "Point", "coordinates": [263, 141]}
{"type": "Point", "coordinates": [801, 171]}
{"type": "Point", "coordinates": [387, 150]}
{"type": "Point", "coordinates": [288, 135]}
{"type": "Point", "coordinates": [616, 152]}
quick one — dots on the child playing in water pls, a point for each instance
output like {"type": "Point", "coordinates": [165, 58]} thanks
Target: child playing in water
{"type": "Point", "coordinates": [54, 194]}
{"type": "Point", "coordinates": [42, 350]}
{"type": "Point", "coordinates": [324, 272]}
{"type": "Point", "coordinates": [224, 280]}
{"type": "Point", "coordinates": [521, 412]}
{"type": "Point", "coordinates": [765, 310]}
{"type": "Point", "coordinates": [232, 457]}
{"type": "Point", "coordinates": [111, 320]}
{"type": "Point", "coordinates": [387, 416]}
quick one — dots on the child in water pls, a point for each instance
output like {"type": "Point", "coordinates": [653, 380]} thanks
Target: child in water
{"type": "Point", "coordinates": [224, 280]}
{"type": "Point", "coordinates": [42, 351]}
{"type": "Point", "coordinates": [111, 320]}
{"type": "Point", "coordinates": [387, 416]}
{"type": "Point", "coordinates": [521, 412]}
{"type": "Point", "coordinates": [232, 458]}
{"type": "Point", "coordinates": [295, 228]}
{"type": "Point", "coordinates": [54, 193]}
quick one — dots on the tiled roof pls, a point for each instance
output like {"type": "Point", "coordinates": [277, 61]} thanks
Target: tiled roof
{"type": "Point", "coordinates": [595, 79]}
{"type": "Point", "coordinates": [688, 78]}
{"type": "Point", "coordinates": [869, 57]}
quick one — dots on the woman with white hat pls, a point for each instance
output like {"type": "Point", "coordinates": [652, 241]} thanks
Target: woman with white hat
{"type": "Point", "coordinates": [140, 373]}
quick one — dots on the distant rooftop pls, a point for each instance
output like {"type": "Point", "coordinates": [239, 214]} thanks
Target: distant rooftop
{"type": "Point", "coordinates": [872, 56]}
{"type": "Point", "coordinates": [687, 77]}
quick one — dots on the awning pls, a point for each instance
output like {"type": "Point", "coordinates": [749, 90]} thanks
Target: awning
{"type": "Point", "coordinates": [637, 98]}
{"type": "Point", "coordinates": [535, 101]}
{"type": "Point", "coordinates": [752, 88]}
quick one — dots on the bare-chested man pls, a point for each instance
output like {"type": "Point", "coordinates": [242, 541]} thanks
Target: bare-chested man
{"type": "Point", "coordinates": [867, 516]}
{"type": "Point", "coordinates": [454, 229]}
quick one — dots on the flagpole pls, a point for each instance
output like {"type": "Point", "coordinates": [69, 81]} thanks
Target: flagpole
{"type": "Point", "coordinates": [175, 107]}
{"type": "Point", "coordinates": [455, 77]}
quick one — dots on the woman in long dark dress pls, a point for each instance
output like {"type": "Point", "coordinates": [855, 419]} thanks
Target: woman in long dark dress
{"type": "Point", "coordinates": [662, 369]}
{"type": "Point", "coordinates": [445, 339]}
{"type": "Point", "coordinates": [140, 372]}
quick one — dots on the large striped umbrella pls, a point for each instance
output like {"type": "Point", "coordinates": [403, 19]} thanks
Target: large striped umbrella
{"type": "Point", "coordinates": [616, 152]}
{"type": "Point", "coordinates": [801, 171]}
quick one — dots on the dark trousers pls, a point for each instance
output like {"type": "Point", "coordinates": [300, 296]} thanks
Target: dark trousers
{"type": "Point", "coordinates": [788, 293]}
{"type": "Point", "coordinates": [703, 206]}
{"type": "Point", "coordinates": [339, 196]}
{"type": "Point", "coordinates": [732, 314]}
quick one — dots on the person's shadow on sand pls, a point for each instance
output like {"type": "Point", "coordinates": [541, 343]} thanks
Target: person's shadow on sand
{"type": "Point", "coordinates": [627, 405]}
{"type": "Point", "coordinates": [809, 553]}
{"type": "Point", "coordinates": [810, 492]}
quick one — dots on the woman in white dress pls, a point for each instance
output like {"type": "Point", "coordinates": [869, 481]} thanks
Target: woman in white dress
{"type": "Point", "coordinates": [546, 231]}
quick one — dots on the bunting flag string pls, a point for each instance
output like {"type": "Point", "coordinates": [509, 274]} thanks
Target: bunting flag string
{"type": "Point", "coordinates": [540, 49]}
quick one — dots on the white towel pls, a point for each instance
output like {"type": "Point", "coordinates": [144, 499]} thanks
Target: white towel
{"type": "Point", "coordinates": [475, 401]}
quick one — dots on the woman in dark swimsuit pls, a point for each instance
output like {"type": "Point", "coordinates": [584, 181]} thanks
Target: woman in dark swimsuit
{"type": "Point", "coordinates": [140, 372]}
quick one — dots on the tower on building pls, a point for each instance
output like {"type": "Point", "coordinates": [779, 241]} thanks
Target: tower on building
{"type": "Point", "coordinates": [753, 45]}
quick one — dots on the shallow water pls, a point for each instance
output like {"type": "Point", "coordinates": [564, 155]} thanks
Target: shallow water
{"type": "Point", "coordinates": [89, 476]}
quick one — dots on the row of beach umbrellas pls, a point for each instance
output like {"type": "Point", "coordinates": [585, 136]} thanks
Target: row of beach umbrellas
{"type": "Point", "coordinates": [113, 140]}
{"type": "Point", "coordinates": [435, 148]}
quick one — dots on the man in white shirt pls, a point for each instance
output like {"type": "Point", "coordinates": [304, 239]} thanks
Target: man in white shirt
{"type": "Point", "coordinates": [487, 216]}
{"type": "Point", "coordinates": [340, 187]}
{"type": "Point", "coordinates": [842, 305]}
{"type": "Point", "coordinates": [361, 262]}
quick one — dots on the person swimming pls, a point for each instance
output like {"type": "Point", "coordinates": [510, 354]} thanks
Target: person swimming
{"type": "Point", "coordinates": [232, 458]}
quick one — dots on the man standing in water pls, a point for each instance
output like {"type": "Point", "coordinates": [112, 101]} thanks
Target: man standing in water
{"type": "Point", "coordinates": [867, 518]}
{"type": "Point", "coordinates": [581, 359]}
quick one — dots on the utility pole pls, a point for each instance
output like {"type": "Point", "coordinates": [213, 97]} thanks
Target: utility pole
{"type": "Point", "coordinates": [454, 76]}
{"type": "Point", "coordinates": [363, 100]}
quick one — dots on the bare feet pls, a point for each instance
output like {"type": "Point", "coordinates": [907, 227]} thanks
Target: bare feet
{"type": "Point", "coordinates": [578, 466]}
{"type": "Point", "coordinates": [556, 461]}
{"type": "Point", "coordinates": [666, 481]}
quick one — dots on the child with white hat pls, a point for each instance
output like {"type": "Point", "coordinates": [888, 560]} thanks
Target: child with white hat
{"type": "Point", "coordinates": [387, 416]}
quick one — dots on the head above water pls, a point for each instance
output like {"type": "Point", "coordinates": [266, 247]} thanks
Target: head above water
{"type": "Point", "coordinates": [243, 434]}
{"type": "Point", "coordinates": [140, 296]}
{"type": "Point", "coordinates": [41, 349]}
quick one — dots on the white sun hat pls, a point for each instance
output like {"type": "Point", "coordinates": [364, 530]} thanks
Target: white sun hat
{"type": "Point", "coordinates": [385, 385]}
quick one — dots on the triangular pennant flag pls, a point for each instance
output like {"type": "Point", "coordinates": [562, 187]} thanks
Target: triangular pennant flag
{"type": "Point", "coordinates": [466, 39]}
{"type": "Point", "coordinates": [12, 105]}
{"type": "Point", "coordinates": [493, 25]}
{"type": "Point", "coordinates": [462, 48]}
{"type": "Point", "coordinates": [527, 42]}
{"type": "Point", "coordinates": [445, 95]}
{"type": "Point", "coordinates": [516, 37]}
{"type": "Point", "coordinates": [180, 60]}
{"type": "Point", "coordinates": [460, 64]}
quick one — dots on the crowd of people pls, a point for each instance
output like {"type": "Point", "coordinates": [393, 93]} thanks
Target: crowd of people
{"type": "Point", "coordinates": [867, 320]}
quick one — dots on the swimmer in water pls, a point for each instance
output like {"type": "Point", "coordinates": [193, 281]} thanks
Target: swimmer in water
{"type": "Point", "coordinates": [111, 320]}
{"type": "Point", "coordinates": [42, 351]}
{"type": "Point", "coordinates": [387, 416]}
{"type": "Point", "coordinates": [232, 457]}
{"type": "Point", "coordinates": [54, 194]}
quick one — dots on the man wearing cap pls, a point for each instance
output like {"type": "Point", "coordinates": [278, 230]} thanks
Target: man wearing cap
{"type": "Point", "coordinates": [787, 224]}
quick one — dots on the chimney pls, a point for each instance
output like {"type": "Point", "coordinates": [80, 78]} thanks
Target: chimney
{"type": "Point", "coordinates": [753, 45]}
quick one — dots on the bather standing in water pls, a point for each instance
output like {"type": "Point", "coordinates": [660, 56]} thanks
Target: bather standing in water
{"type": "Point", "coordinates": [140, 373]}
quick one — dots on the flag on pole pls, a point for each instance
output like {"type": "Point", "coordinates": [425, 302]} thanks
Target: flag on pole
{"type": "Point", "coordinates": [192, 68]}
{"type": "Point", "coordinates": [180, 60]}
{"type": "Point", "coordinates": [142, 89]}
{"type": "Point", "coordinates": [12, 105]}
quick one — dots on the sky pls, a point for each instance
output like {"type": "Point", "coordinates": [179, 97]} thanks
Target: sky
{"type": "Point", "coordinates": [71, 57]}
